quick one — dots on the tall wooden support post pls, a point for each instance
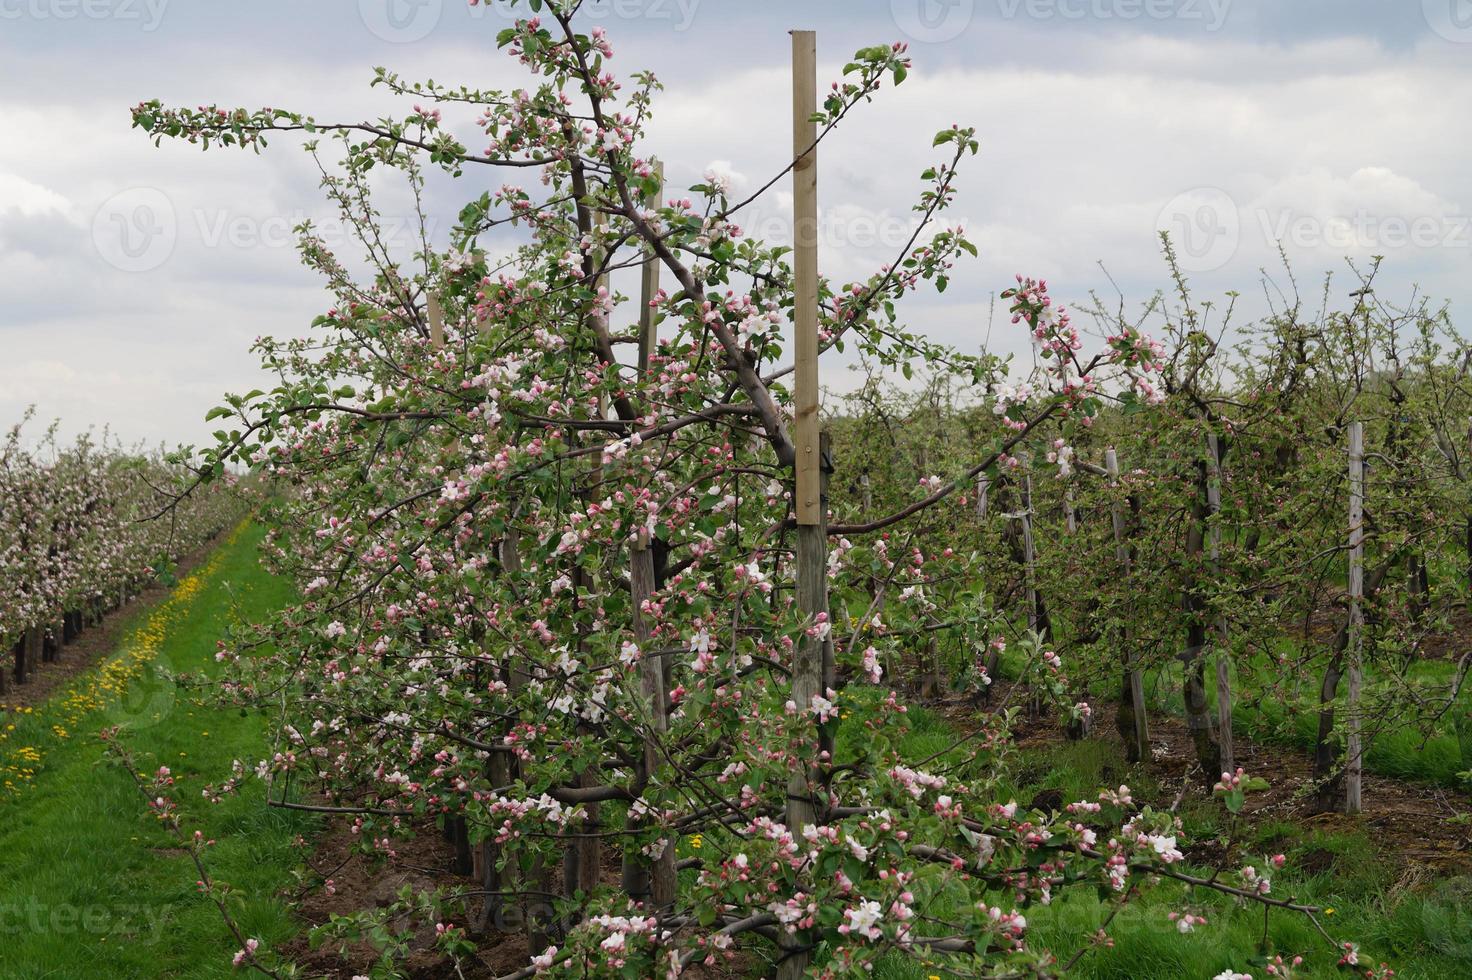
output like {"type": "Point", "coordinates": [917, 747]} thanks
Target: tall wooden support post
{"type": "Point", "coordinates": [805, 276]}
{"type": "Point", "coordinates": [655, 881]}
{"type": "Point", "coordinates": [1070, 511]}
{"type": "Point", "coordinates": [582, 860]}
{"type": "Point", "coordinates": [1029, 555]}
{"type": "Point", "coordinates": [436, 322]}
{"type": "Point", "coordinates": [1137, 731]}
{"type": "Point", "coordinates": [660, 871]}
{"type": "Point", "coordinates": [1214, 555]}
{"type": "Point", "coordinates": [648, 321]}
{"type": "Point", "coordinates": [1352, 782]}
{"type": "Point", "coordinates": [457, 832]}
{"type": "Point", "coordinates": [1468, 542]}
{"type": "Point", "coordinates": [983, 491]}
{"type": "Point", "coordinates": [808, 499]}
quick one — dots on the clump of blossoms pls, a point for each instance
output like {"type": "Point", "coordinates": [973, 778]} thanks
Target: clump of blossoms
{"type": "Point", "coordinates": [548, 597]}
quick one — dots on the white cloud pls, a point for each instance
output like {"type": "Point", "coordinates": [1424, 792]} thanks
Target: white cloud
{"type": "Point", "coordinates": [1086, 136]}
{"type": "Point", "coordinates": [27, 198]}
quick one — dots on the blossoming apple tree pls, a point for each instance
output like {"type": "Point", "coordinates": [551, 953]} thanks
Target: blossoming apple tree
{"type": "Point", "coordinates": [544, 537]}
{"type": "Point", "coordinates": [76, 539]}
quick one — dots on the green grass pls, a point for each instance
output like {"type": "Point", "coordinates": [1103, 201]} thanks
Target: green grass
{"type": "Point", "coordinates": [1424, 930]}
{"type": "Point", "coordinates": [90, 886]}
{"type": "Point", "coordinates": [1400, 751]}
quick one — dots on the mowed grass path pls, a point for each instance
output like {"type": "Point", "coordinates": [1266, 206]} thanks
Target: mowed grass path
{"type": "Point", "coordinates": [90, 885]}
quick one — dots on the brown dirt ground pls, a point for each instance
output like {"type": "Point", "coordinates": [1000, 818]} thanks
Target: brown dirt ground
{"type": "Point", "coordinates": [426, 862]}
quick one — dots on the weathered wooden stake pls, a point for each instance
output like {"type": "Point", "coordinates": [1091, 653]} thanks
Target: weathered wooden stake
{"type": "Point", "coordinates": [1139, 742]}
{"type": "Point", "coordinates": [1029, 554]}
{"type": "Point", "coordinates": [983, 491]}
{"type": "Point", "coordinates": [648, 322]}
{"type": "Point", "coordinates": [436, 322]}
{"type": "Point", "coordinates": [1352, 784]}
{"type": "Point", "coordinates": [1223, 654]}
{"type": "Point", "coordinates": [657, 880]}
{"type": "Point", "coordinates": [651, 684]}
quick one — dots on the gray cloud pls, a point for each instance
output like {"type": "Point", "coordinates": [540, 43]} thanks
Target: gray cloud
{"type": "Point", "coordinates": [1330, 124]}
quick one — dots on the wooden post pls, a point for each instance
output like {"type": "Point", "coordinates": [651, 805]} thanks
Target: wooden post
{"type": "Point", "coordinates": [1029, 554]}
{"type": "Point", "coordinates": [808, 502]}
{"type": "Point", "coordinates": [436, 322]}
{"type": "Point", "coordinates": [1138, 739]}
{"type": "Point", "coordinates": [1352, 784]}
{"type": "Point", "coordinates": [1214, 554]}
{"type": "Point", "coordinates": [1467, 542]}
{"type": "Point", "coordinates": [648, 322]}
{"type": "Point", "coordinates": [661, 873]}
{"type": "Point", "coordinates": [657, 880]}
{"type": "Point", "coordinates": [1070, 512]}
{"type": "Point", "coordinates": [805, 276]}
{"type": "Point", "coordinates": [812, 591]}
{"type": "Point", "coordinates": [983, 490]}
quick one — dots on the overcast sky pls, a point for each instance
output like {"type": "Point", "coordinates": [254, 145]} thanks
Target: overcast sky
{"type": "Point", "coordinates": [133, 279]}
